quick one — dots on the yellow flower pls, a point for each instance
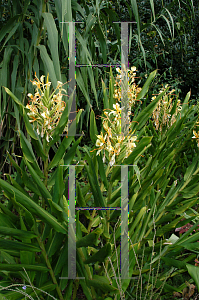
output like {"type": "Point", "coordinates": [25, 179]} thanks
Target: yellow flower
{"type": "Point", "coordinates": [99, 143]}
{"type": "Point", "coordinates": [112, 161]}
{"type": "Point", "coordinates": [109, 132]}
{"type": "Point", "coordinates": [99, 151]}
{"type": "Point", "coordinates": [30, 95]}
{"type": "Point", "coordinates": [101, 138]}
{"type": "Point", "coordinates": [105, 125]}
{"type": "Point", "coordinates": [196, 135]}
{"type": "Point", "coordinates": [120, 138]}
{"type": "Point", "coordinates": [133, 138]}
{"type": "Point", "coordinates": [42, 78]}
{"type": "Point", "coordinates": [109, 147]}
{"type": "Point", "coordinates": [133, 69]}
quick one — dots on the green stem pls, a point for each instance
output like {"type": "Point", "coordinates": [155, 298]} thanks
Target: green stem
{"type": "Point", "coordinates": [48, 265]}
{"type": "Point", "coordinates": [90, 222]}
{"type": "Point", "coordinates": [45, 169]}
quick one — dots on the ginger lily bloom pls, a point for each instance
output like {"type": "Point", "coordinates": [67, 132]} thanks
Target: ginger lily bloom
{"type": "Point", "coordinates": [45, 108]}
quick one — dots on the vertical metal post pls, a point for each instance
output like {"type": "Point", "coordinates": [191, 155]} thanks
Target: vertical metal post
{"type": "Point", "coordinates": [72, 116]}
{"type": "Point", "coordinates": [71, 225]}
{"type": "Point", "coordinates": [124, 79]}
{"type": "Point", "coordinates": [124, 225]}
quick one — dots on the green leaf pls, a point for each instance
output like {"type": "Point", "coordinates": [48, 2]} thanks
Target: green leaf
{"type": "Point", "coordinates": [145, 88]}
{"type": "Point", "coordinates": [48, 64]}
{"type": "Point", "coordinates": [62, 259]}
{"type": "Point", "coordinates": [102, 171]}
{"type": "Point", "coordinates": [71, 152]}
{"type": "Point", "coordinates": [102, 283]}
{"type": "Point", "coordinates": [37, 145]}
{"type": "Point", "coordinates": [26, 180]}
{"type": "Point", "coordinates": [191, 246]}
{"type": "Point", "coordinates": [13, 245]}
{"type": "Point", "coordinates": [29, 126]}
{"type": "Point", "coordinates": [93, 127]}
{"type": "Point", "coordinates": [5, 221]}
{"type": "Point", "coordinates": [32, 207]}
{"type": "Point", "coordinates": [58, 187]}
{"type": "Point", "coordinates": [29, 154]}
{"type": "Point", "coordinates": [142, 146]}
{"type": "Point", "coordinates": [53, 42]}
{"type": "Point", "coordinates": [56, 244]}
{"type": "Point", "coordinates": [174, 262]}
{"type": "Point", "coordinates": [137, 173]}
{"type": "Point", "coordinates": [14, 97]}
{"type": "Point", "coordinates": [102, 42]}
{"type": "Point", "coordinates": [9, 214]}
{"type": "Point", "coordinates": [81, 85]}
{"type": "Point", "coordinates": [62, 149]}
{"type": "Point", "coordinates": [190, 170]}
{"type": "Point", "coordinates": [98, 198]}
{"type": "Point", "coordinates": [19, 267]}
{"type": "Point", "coordinates": [16, 232]}
{"type": "Point", "coordinates": [81, 200]}
{"type": "Point", "coordinates": [190, 191]}
{"type": "Point", "coordinates": [90, 239]}
{"type": "Point", "coordinates": [168, 227]}
{"type": "Point", "coordinates": [137, 220]}
{"type": "Point", "coordinates": [101, 255]}
{"type": "Point", "coordinates": [194, 273]}
{"type": "Point", "coordinates": [43, 190]}
{"type": "Point", "coordinates": [105, 98]}
{"type": "Point", "coordinates": [8, 27]}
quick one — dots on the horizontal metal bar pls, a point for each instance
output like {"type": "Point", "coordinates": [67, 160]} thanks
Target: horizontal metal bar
{"type": "Point", "coordinates": [124, 22]}
{"type": "Point", "coordinates": [98, 208]}
{"type": "Point", "coordinates": [98, 65]}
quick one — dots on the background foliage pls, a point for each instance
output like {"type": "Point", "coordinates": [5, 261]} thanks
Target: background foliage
{"type": "Point", "coordinates": [33, 39]}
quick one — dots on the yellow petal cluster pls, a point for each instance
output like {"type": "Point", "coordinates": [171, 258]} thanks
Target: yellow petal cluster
{"type": "Point", "coordinates": [45, 109]}
{"type": "Point", "coordinates": [196, 136]}
{"type": "Point", "coordinates": [114, 142]}
{"type": "Point", "coordinates": [162, 113]}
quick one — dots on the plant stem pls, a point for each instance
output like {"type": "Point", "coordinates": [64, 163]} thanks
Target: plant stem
{"type": "Point", "coordinates": [45, 169]}
{"type": "Point", "coordinates": [90, 222]}
{"type": "Point", "coordinates": [48, 265]}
